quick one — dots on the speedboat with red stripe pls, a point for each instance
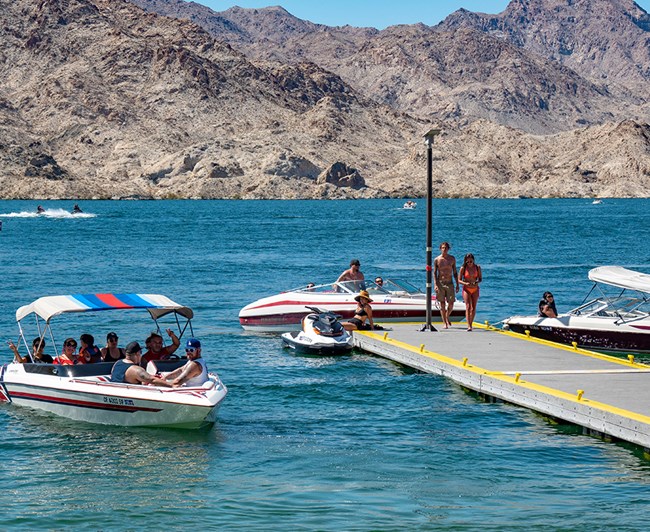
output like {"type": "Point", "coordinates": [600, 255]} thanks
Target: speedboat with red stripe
{"type": "Point", "coordinates": [616, 320]}
{"type": "Point", "coordinates": [85, 392]}
{"type": "Point", "coordinates": [395, 301]}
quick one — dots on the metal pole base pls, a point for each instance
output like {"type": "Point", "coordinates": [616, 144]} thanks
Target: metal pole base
{"type": "Point", "coordinates": [426, 327]}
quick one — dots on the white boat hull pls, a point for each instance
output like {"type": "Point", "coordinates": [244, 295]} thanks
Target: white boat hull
{"type": "Point", "coordinates": [285, 311]}
{"type": "Point", "coordinates": [97, 400]}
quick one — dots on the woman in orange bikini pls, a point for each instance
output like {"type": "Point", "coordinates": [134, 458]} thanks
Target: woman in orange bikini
{"type": "Point", "coordinates": [470, 276]}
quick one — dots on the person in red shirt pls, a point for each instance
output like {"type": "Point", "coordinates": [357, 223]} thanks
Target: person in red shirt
{"type": "Point", "coordinates": [67, 357]}
{"type": "Point", "coordinates": [155, 349]}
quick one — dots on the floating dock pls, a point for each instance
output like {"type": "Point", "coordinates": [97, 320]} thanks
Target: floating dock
{"type": "Point", "coordinates": [608, 396]}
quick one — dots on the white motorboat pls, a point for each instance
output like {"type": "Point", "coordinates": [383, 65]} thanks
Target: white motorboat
{"type": "Point", "coordinates": [85, 392]}
{"type": "Point", "coordinates": [410, 205]}
{"type": "Point", "coordinates": [321, 334]}
{"type": "Point", "coordinates": [395, 301]}
{"type": "Point", "coordinates": [618, 322]}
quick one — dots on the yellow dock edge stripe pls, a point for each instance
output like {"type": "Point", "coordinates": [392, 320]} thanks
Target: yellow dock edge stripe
{"type": "Point", "coordinates": [564, 347]}
{"type": "Point", "coordinates": [516, 379]}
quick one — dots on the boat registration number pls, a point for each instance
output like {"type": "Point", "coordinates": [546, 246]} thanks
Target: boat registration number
{"type": "Point", "coordinates": [119, 401]}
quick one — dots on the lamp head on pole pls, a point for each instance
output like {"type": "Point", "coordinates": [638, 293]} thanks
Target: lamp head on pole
{"type": "Point", "coordinates": [429, 136]}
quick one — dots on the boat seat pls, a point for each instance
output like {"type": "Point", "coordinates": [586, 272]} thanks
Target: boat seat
{"type": "Point", "coordinates": [160, 366]}
{"type": "Point", "coordinates": [80, 370]}
{"type": "Point", "coordinates": [85, 370]}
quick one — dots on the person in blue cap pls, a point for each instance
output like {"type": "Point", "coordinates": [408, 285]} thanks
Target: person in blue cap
{"type": "Point", "coordinates": [194, 372]}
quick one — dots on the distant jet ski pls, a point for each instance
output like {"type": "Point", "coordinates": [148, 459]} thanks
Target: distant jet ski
{"type": "Point", "coordinates": [76, 209]}
{"type": "Point", "coordinates": [40, 210]}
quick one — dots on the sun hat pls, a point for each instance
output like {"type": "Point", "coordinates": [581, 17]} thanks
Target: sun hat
{"type": "Point", "coordinates": [363, 293]}
{"type": "Point", "coordinates": [193, 342]}
{"type": "Point", "coordinates": [133, 348]}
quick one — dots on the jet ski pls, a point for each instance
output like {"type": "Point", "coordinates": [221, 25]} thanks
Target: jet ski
{"type": "Point", "coordinates": [322, 334]}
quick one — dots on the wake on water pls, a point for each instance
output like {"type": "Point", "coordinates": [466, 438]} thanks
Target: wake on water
{"type": "Point", "coordinates": [49, 213]}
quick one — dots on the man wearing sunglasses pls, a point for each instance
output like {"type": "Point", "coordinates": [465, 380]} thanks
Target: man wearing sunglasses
{"type": "Point", "coordinates": [194, 372]}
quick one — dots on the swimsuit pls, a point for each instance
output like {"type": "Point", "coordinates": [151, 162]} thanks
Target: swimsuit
{"type": "Point", "coordinates": [445, 291]}
{"type": "Point", "coordinates": [470, 289]}
{"type": "Point", "coordinates": [362, 313]}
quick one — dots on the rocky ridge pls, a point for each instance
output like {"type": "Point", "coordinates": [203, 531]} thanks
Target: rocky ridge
{"type": "Point", "coordinates": [100, 99]}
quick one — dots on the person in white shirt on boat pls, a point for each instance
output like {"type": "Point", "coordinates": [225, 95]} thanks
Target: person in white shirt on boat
{"type": "Point", "coordinates": [128, 370]}
{"type": "Point", "coordinates": [195, 372]}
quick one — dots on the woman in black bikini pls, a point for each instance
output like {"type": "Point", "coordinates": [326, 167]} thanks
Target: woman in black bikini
{"type": "Point", "coordinates": [362, 313]}
{"type": "Point", "coordinates": [112, 353]}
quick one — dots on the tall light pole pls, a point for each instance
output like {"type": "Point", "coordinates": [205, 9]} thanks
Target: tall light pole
{"type": "Point", "coordinates": [428, 140]}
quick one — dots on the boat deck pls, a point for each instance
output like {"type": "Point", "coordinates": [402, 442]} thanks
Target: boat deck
{"type": "Point", "coordinates": [608, 396]}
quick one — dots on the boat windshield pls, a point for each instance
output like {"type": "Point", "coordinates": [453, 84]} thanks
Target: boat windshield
{"type": "Point", "coordinates": [345, 287]}
{"type": "Point", "coordinates": [394, 287]}
{"type": "Point", "coordinates": [401, 287]}
{"type": "Point", "coordinates": [623, 307]}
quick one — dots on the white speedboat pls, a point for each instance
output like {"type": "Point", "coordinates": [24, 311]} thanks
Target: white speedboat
{"type": "Point", "coordinates": [619, 322]}
{"type": "Point", "coordinates": [396, 301]}
{"type": "Point", "coordinates": [84, 392]}
{"type": "Point", "coordinates": [321, 334]}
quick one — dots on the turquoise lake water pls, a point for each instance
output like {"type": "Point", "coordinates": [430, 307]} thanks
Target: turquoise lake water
{"type": "Point", "coordinates": [304, 443]}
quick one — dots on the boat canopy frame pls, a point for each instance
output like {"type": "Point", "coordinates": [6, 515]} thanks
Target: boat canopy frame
{"type": "Point", "coordinates": [626, 280]}
{"type": "Point", "coordinates": [45, 308]}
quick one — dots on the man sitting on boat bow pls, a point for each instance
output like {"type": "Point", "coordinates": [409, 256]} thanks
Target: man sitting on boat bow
{"type": "Point", "coordinates": [128, 369]}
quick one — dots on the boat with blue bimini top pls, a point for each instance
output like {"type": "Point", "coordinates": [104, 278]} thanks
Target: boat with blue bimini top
{"type": "Point", "coordinates": [394, 301]}
{"type": "Point", "coordinates": [611, 322]}
{"type": "Point", "coordinates": [85, 392]}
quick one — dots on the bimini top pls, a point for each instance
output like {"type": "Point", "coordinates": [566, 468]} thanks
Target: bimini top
{"type": "Point", "coordinates": [50, 306]}
{"type": "Point", "coordinates": [621, 277]}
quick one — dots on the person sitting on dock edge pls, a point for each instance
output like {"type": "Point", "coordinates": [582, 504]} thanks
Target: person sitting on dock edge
{"type": "Point", "coordinates": [362, 313]}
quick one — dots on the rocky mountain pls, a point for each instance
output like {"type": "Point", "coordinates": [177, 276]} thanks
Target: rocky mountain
{"type": "Point", "coordinates": [513, 68]}
{"type": "Point", "coordinates": [605, 41]}
{"type": "Point", "coordinates": [102, 99]}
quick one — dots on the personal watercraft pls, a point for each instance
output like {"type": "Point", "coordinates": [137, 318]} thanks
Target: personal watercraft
{"type": "Point", "coordinates": [322, 334]}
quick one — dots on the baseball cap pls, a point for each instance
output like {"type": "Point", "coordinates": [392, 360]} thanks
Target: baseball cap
{"type": "Point", "coordinates": [193, 342]}
{"type": "Point", "coordinates": [132, 348]}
